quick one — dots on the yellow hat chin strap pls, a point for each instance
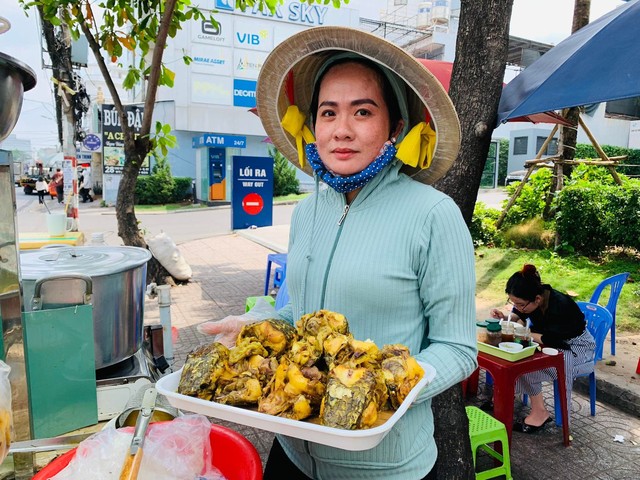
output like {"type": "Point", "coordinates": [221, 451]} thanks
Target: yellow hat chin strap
{"type": "Point", "coordinates": [293, 123]}
{"type": "Point", "coordinates": [416, 148]}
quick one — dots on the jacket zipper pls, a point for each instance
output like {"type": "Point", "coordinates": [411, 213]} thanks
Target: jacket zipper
{"type": "Point", "coordinates": [333, 250]}
{"type": "Point", "coordinates": [344, 214]}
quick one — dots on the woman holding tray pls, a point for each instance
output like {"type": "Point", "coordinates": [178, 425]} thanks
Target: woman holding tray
{"type": "Point", "coordinates": [380, 246]}
{"type": "Point", "coordinates": [556, 321]}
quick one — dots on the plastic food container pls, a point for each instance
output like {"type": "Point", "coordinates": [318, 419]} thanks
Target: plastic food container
{"type": "Point", "coordinates": [506, 355]}
{"type": "Point", "coordinates": [494, 334]}
{"type": "Point", "coordinates": [510, 346]}
{"type": "Point", "coordinates": [303, 429]}
{"type": "Point", "coordinates": [481, 332]}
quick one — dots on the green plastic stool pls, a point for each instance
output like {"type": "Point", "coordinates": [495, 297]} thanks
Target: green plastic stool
{"type": "Point", "coordinates": [251, 301]}
{"type": "Point", "coordinates": [484, 429]}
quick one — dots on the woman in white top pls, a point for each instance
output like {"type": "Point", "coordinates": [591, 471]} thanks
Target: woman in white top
{"type": "Point", "coordinates": [42, 187]}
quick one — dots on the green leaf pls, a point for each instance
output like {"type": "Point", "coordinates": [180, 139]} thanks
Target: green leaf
{"type": "Point", "coordinates": [168, 76]}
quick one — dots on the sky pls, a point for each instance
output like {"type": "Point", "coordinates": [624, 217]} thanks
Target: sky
{"type": "Point", "coordinates": [547, 21]}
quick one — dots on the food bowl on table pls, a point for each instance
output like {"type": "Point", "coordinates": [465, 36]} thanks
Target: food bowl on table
{"type": "Point", "coordinates": [549, 351]}
{"type": "Point", "coordinates": [510, 346]}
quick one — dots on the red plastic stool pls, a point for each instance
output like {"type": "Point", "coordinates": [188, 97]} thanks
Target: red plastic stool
{"type": "Point", "coordinates": [638, 367]}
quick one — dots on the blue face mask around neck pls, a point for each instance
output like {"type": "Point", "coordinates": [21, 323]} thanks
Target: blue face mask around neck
{"type": "Point", "coordinates": [348, 183]}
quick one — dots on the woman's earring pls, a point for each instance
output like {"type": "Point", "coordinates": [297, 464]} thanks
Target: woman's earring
{"type": "Point", "coordinates": [393, 139]}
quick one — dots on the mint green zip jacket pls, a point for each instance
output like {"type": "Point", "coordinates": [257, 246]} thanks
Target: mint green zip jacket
{"type": "Point", "coordinates": [399, 264]}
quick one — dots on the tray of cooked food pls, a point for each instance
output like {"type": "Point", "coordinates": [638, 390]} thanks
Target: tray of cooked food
{"type": "Point", "coordinates": [313, 381]}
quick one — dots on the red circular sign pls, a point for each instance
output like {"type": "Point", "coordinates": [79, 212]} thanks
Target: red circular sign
{"type": "Point", "coordinates": [252, 204]}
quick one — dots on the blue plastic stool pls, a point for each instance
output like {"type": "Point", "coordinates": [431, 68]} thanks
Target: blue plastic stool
{"type": "Point", "coordinates": [279, 259]}
{"type": "Point", "coordinates": [278, 277]}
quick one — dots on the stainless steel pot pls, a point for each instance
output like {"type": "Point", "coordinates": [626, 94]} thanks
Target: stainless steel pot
{"type": "Point", "coordinates": [119, 281]}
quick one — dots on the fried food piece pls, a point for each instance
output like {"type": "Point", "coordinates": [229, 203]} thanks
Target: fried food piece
{"type": "Point", "coordinates": [202, 369]}
{"type": "Point", "coordinates": [353, 398]}
{"type": "Point", "coordinates": [342, 349]}
{"type": "Point", "coordinates": [273, 334]}
{"type": "Point", "coordinates": [245, 349]}
{"type": "Point", "coordinates": [401, 372]}
{"type": "Point", "coordinates": [337, 349]}
{"type": "Point", "coordinates": [321, 323]}
{"type": "Point", "coordinates": [313, 329]}
{"type": "Point", "coordinates": [242, 390]}
{"type": "Point", "coordinates": [294, 391]}
{"type": "Point", "coordinates": [6, 423]}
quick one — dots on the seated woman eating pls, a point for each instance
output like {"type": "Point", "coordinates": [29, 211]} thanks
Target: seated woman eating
{"type": "Point", "coordinates": [556, 321]}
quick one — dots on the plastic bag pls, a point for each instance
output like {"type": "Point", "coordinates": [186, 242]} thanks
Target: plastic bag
{"type": "Point", "coordinates": [180, 449]}
{"type": "Point", "coordinates": [226, 330]}
{"type": "Point", "coordinates": [6, 416]}
{"type": "Point", "coordinates": [167, 253]}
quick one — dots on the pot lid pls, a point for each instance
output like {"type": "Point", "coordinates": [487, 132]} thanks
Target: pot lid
{"type": "Point", "coordinates": [91, 261]}
{"type": "Point", "coordinates": [27, 75]}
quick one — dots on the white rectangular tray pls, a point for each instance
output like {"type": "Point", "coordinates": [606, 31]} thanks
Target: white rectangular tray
{"type": "Point", "coordinates": [335, 437]}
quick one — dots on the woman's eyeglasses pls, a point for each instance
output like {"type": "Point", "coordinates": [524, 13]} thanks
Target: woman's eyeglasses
{"type": "Point", "coordinates": [519, 307]}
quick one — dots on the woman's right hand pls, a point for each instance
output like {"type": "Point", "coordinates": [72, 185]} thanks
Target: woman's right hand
{"type": "Point", "coordinates": [225, 330]}
{"type": "Point", "coordinates": [496, 313]}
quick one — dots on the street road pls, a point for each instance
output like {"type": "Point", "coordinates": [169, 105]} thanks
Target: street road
{"type": "Point", "coordinates": [181, 227]}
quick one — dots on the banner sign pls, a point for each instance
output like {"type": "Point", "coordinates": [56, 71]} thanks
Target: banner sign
{"type": "Point", "coordinates": [113, 157]}
{"type": "Point", "coordinates": [252, 192]}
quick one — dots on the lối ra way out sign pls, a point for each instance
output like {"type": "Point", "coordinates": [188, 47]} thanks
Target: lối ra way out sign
{"type": "Point", "coordinates": [252, 192]}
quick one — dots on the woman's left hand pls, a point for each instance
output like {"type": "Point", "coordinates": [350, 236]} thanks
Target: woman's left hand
{"type": "Point", "coordinates": [536, 337]}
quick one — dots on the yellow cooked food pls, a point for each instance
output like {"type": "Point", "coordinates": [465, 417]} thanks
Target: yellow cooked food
{"type": "Point", "coordinates": [318, 368]}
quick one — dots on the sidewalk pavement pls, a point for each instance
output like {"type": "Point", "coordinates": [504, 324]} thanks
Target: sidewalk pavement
{"type": "Point", "coordinates": [229, 268]}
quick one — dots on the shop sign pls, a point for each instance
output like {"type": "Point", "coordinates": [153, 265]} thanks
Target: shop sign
{"type": "Point", "coordinates": [213, 140]}
{"type": "Point", "coordinates": [113, 156]}
{"type": "Point", "coordinates": [244, 93]}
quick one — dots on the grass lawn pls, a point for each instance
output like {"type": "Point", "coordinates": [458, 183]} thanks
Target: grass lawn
{"type": "Point", "coordinates": [294, 197]}
{"type": "Point", "coordinates": [576, 274]}
{"type": "Point", "coordinates": [169, 207]}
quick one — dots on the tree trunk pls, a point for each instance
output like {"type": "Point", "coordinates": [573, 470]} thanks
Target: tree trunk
{"type": "Point", "coordinates": [569, 135]}
{"type": "Point", "coordinates": [452, 436]}
{"type": "Point", "coordinates": [476, 85]}
{"type": "Point", "coordinates": [128, 229]}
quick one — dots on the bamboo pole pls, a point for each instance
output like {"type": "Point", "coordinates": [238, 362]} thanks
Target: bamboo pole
{"type": "Point", "coordinates": [534, 165]}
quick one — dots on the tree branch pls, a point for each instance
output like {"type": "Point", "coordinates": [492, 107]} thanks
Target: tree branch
{"type": "Point", "coordinates": [156, 65]}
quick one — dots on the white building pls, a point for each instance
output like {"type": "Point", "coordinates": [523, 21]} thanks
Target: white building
{"type": "Point", "coordinates": [209, 105]}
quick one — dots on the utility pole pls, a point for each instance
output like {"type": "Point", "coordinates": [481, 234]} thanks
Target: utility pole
{"type": "Point", "coordinates": [71, 104]}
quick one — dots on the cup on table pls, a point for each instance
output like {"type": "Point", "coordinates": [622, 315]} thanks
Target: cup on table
{"type": "Point", "coordinates": [508, 332]}
{"type": "Point", "coordinates": [522, 335]}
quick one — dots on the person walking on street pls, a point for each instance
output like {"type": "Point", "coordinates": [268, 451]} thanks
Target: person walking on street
{"type": "Point", "coordinates": [58, 181]}
{"type": "Point", "coordinates": [41, 188]}
{"type": "Point", "coordinates": [84, 180]}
